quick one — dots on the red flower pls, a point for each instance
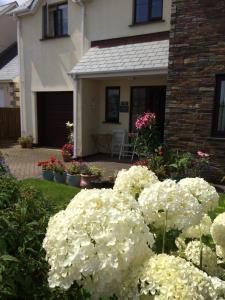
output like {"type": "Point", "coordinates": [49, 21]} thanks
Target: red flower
{"type": "Point", "coordinates": [202, 154]}
{"type": "Point", "coordinates": [68, 149]}
{"type": "Point", "coordinates": [143, 163]}
{"type": "Point", "coordinates": [144, 121]}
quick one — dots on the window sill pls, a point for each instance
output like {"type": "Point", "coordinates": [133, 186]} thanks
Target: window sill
{"type": "Point", "coordinates": [110, 122]}
{"type": "Point", "coordinates": [55, 37]}
{"type": "Point", "coordinates": [216, 139]}
{"type": "Point", "coordinates": [146, 23]}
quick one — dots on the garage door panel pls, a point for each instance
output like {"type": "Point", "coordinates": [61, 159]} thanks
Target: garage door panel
{"type": "Point", "coordinates": [54, 110]}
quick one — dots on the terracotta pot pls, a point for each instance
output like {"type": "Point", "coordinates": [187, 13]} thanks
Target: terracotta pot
{"type": "Point", "coordinates": [29, 145]}
{"type": "Point", "coordinates": [86, 180]}
{"type": "Point", "coordinates": [24, 145]}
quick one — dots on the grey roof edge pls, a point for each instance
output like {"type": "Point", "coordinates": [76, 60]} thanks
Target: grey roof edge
{"type": "Point", "coordinates": [150, 71]}
{"type": "Point", "coordinates": [26, 8]}
{"type": "Point", "coordinates": [8, 8]}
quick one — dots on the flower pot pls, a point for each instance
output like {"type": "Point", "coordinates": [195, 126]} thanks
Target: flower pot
{"type": "Point", "coordinates": [73, 180]}
{"type": "Point", "coordinates": [24, 145]}
{"type": "Point", "coordinates": [47, 175]}
{"type": "Point", "coordinates": [86, 180]}
{"type": "Point", "coordinates": [29, 145]}
{"type": "Point", "coordinates": [67, 158]}
{"type": "Point", "coordinates": [60, 177]}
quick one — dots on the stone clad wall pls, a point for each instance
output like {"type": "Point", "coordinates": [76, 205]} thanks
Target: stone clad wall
{"type": "Point", "coordinates": [197, 54]}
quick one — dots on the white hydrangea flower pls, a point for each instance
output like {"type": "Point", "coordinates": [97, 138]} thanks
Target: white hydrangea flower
{"type": "Point", "coordinates": [209, 258]}
{"type": "Point", "coordinates": [195, 232]}
{"type": "Point", "coordinates": [170, 277]}
{"type": "Point", "coordinates": [220, 252]}
{"type": "Point", "coordinates": [99, 236]}
{"type": "Point", "coordinates": [134, 180]}
{"type": "Point", "coordinates": [218, 230]}
{"type": "Point", "coordinates": [203, 191]}
{"type": "Point", "coordinates": [168, 198]}
{"type": "Point", "coordinates": [219, 286]}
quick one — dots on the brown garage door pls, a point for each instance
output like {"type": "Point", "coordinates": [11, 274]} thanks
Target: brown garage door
{"type": "Point", "coordinates": [54, 110]}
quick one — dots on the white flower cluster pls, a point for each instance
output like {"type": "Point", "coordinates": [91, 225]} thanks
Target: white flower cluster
{"type": "Point", "coordinates": [134, 180]}
{"type": "Point", "coordinates": [203, 191]}
{"type": "Point", "coordinates": [170, 277]}
{"type": "Point", "coordinates": [167, 202]}
{"type": "Point", "coordinates": [95, 241]}
{"type": "Point", "coordinates": [197, 231]}
{"type": "Point", "coordinates": [209, 258]}
{"type": "Point", "coordinates": [218, 230]}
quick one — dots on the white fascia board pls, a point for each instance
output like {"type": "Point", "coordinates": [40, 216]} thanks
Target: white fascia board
{"type": "Point", "coordinates": [122, 73]}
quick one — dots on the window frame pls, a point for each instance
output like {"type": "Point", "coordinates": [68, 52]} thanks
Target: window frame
{"type": "Point", "coordinates": [107, 119]}
{"type": "Point", "coordinates": [150, 18]}
{"type": "Point", "coordinates": [45, 34]}
{"type": "Point", "coordinates": [215, 131]}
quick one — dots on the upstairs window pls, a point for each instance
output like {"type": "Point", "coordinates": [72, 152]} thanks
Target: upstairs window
{"type": "Point", "coordinates": [147, 10]}
{"type": "Point", "coordinates": [219, 112]}
{"type": "Point", "coordinates": [55, 20]}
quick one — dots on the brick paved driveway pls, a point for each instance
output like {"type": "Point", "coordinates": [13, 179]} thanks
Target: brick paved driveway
{"type": "Point", "coordinates": [23, 162]}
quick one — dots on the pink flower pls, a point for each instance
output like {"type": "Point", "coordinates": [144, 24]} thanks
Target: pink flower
{"type": "Point", "coordinates": [202, 154]}
{"type": "Point", "coordinates": [145, 120]}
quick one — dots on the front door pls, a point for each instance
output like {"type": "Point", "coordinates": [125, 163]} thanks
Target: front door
{"type": "Point", "coordinates": [148, 99]}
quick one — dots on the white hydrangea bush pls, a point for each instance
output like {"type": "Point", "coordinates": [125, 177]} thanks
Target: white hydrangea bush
{"type": "Point", "coordinates": [205, 193]}
{"type": "Point", "coordinates": [167, 201]}
{"type": "Point", "coordinates": [209, 257]}
{"type": "Point", "coordinates": [103, 241]}
{"type": "Point", "coordinates": [218, 230]}
{"type": "Point", "coordinates": [197, 231]}
{"type": "Point", "coordinates": [134, 180]}
{"type": "Point", "coordinates": [169, 277]}
{"type": "Point", "coordinates": [95, 241]}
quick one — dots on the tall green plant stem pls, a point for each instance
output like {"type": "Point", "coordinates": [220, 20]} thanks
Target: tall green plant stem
{"type": "Point", "coordinates": [164, 232]}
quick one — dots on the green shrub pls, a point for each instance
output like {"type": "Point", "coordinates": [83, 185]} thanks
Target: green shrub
{"type": "Point", "coordinates": [24, 215]}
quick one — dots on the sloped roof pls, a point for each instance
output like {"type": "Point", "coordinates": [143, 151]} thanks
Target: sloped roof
{"type": "Point", "coordinates": [6, 8]}
{"type": "Point", "coordinates": [10, 71]}
{"type": "Point", "coordinates": [26, 5]}
{"type": "Point", "coordinates": [148, 56]}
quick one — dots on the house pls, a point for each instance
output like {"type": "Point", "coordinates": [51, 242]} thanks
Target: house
{"type": "Point", "coordinates": [95, 62]}
{"type": "Point", "coordinates": [195, 107]}
{"type": "Point", "coordinates": [9, 64]}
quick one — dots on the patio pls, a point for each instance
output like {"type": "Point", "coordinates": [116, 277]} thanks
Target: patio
{"type": "Point", "coordinates": [23, 162]}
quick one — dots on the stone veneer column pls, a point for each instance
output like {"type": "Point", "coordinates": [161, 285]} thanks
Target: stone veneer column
{"type": "Point", "coordinates": [197, 54]}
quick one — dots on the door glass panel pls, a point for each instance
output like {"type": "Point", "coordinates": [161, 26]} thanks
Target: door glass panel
{"type": "Point", "coordinates": [138, 105]}
{"type": "Point", "coordinates": [1, 98]}
{"type": "Point", "coordinates": [221, 119]}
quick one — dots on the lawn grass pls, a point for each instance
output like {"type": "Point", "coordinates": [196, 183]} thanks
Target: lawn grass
{"type": "Point", "coordinates": [59, 195]}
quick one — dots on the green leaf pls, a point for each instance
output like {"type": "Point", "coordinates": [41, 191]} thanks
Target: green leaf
{"type": "Point", "coordinates": [7, 257]}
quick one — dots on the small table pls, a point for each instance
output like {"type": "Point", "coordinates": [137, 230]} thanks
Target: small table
{"type": "Point", "coordinates": [103, 142]}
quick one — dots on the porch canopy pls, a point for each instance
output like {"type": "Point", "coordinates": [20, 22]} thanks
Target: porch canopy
{"type": "Point", "coordinates": [131, 59]}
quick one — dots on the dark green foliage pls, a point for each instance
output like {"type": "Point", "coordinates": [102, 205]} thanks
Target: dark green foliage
{"type": "Point", "coordinates": [24, 215]}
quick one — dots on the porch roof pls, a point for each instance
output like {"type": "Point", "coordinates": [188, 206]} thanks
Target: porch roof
{"type": "Point", "coordinates": [146, 58]}
{"type": "Point", "coordinates": [10, 71]}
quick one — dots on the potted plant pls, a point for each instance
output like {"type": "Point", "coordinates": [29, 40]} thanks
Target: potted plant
{"type": "Point", "coordinates": [67, 152]}
{"type": "Point", "coordinates": [4, 169]}
{"type": "Point", "coordinates": [58, 170]}
{"type": "Point", "coordinates": [47, 170]}
{"type": "Point", "coordinates": [73, 174]}
{"type": "Point", "coordinates": [26, 141]}
{"type": "Point", "coordinates": [89, 174]}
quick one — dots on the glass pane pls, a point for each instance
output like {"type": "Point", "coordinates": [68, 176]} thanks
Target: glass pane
{"type": "Point", "coordinates": [113, 102]}
{"type": "Point", "coordinates": [64, 9]}
{"type": "Point", "coordinates": [221, 119]}
{"type": "Point", "coordinates": [51, 22]}
{"type": "Point", "coordinates": [157, 8]}
{"type": "Point", "coordinates": [142, 11]}
{"type": "Point", "coordinates": [138, 105]}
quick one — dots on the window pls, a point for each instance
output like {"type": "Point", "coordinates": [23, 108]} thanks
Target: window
{"type": "Point", "coordinates": [147, 10]}
{"type": "Point", "coordinates": [219, 113]}
{"type": "Point", "coordinates": [112, 104]}
{"type": "Point", "coordinates": [55, 20]}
